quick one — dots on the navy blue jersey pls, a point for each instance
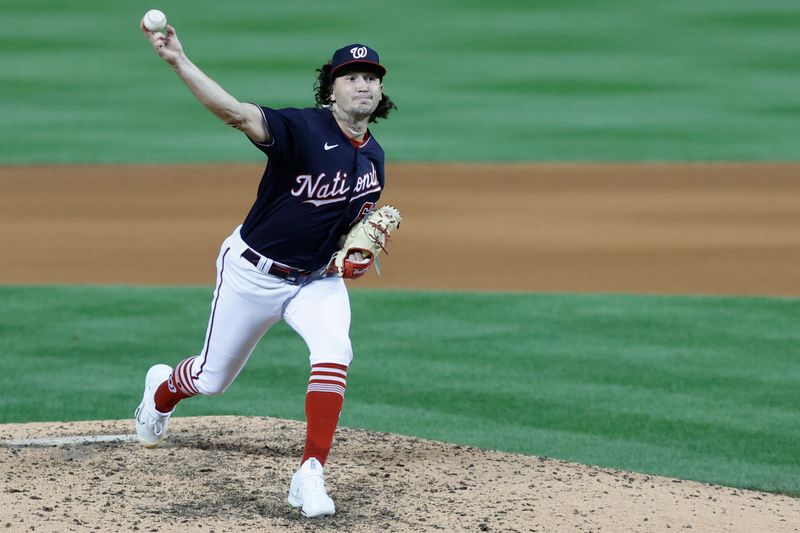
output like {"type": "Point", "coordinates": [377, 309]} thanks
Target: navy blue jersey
{"type": "Point", "coordinates": [315, 186]}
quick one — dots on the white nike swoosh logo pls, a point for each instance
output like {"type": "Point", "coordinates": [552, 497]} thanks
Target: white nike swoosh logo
{"type": "Point", "coordinates": [330, 147]}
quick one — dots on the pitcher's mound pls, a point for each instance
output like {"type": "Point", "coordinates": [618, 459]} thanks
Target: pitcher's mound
{"type": "Point", "coordinates": [232, 474]}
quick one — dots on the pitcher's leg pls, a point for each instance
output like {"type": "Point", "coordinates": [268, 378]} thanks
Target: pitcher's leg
{"type": "Point", "coordinates": [320, 313]}
{"type": "Point", "coordinates": [245, 304]}
{"type": "Point", "coordinates": [324, 400]}
{"type": "Point", "coordinates": [242, 313]}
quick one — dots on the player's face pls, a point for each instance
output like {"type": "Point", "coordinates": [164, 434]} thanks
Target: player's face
{"type": "Point", "coordinates": [357, 93]}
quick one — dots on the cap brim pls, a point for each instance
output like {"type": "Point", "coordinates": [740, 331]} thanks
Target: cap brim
{"type": "Point", "coordinates": [371, 66]}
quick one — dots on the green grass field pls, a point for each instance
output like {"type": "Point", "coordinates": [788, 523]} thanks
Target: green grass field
{"type": "Point", "coordinates": [693, 387]}
{"type": "Point", "coordinates": [509, 80]}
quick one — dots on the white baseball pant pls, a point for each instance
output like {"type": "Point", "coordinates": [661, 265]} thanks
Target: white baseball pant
{"type": "Point", "coordinates": [247, 302]}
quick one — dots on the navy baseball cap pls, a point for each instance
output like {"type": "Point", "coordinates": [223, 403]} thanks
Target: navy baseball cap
{"type": "Point", "coordinates": [357, 54]}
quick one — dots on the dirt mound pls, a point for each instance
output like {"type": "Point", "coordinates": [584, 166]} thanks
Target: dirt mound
{"type": "Point", "coordinates": [232, 474]}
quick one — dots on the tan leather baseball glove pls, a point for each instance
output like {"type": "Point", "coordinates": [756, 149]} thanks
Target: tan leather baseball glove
{"type": "Point", "coordinates": [364, 242]}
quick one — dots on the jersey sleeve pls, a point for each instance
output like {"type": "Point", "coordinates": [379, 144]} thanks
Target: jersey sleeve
{"type": "Point", "coordinates": [288, 131]}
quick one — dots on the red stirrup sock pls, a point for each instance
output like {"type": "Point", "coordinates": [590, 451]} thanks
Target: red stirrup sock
{"type": "Point", "coordinates": [324, 399]}
{"type": "Point", "coordinates": [178, 386]}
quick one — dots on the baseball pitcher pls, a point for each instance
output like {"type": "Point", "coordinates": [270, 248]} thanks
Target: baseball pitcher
{"type": "Point", "coordinates": [314, 222]}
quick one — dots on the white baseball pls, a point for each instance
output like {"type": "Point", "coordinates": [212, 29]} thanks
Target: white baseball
{"type": "Point", "coordinates": [155, 20]}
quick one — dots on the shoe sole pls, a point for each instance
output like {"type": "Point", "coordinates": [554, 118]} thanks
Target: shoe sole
{"type": "Point", "coordinates": [298, 504]}
{"type": "Point", "coordinates": [143, 442]}
{"type": "Point", "coordinates": [294, 502]}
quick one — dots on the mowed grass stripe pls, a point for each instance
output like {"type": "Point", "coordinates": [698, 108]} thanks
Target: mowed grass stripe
{"type": "Point", "coordinates": [509, 80]}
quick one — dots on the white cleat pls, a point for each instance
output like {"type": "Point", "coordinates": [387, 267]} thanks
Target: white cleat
{"type": "Point", "coordinates": [151, 425]}
{"type": "Point", "coordinates": [307, 491]}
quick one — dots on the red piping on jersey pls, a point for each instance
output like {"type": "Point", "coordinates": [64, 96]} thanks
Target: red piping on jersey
{"type": "Point", "coordinates": [359, 144]}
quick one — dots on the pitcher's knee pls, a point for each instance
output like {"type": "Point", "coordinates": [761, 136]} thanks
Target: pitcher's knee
{"type": "Point", "coordinates": [337, 349]}
{"type": "Point", "coordinates": [344, 358]}
{"type": "Point", "coordinates": [208, 387]}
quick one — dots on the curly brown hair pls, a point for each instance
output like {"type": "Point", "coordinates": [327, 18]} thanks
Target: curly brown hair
{"type": "Point", "coordinates": [323, 88]}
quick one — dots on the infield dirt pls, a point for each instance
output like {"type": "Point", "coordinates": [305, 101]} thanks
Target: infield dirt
{"type": "Point", "coordinates": [657, 228]}
{"type": "Point", "coordinates": [699, 229]}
